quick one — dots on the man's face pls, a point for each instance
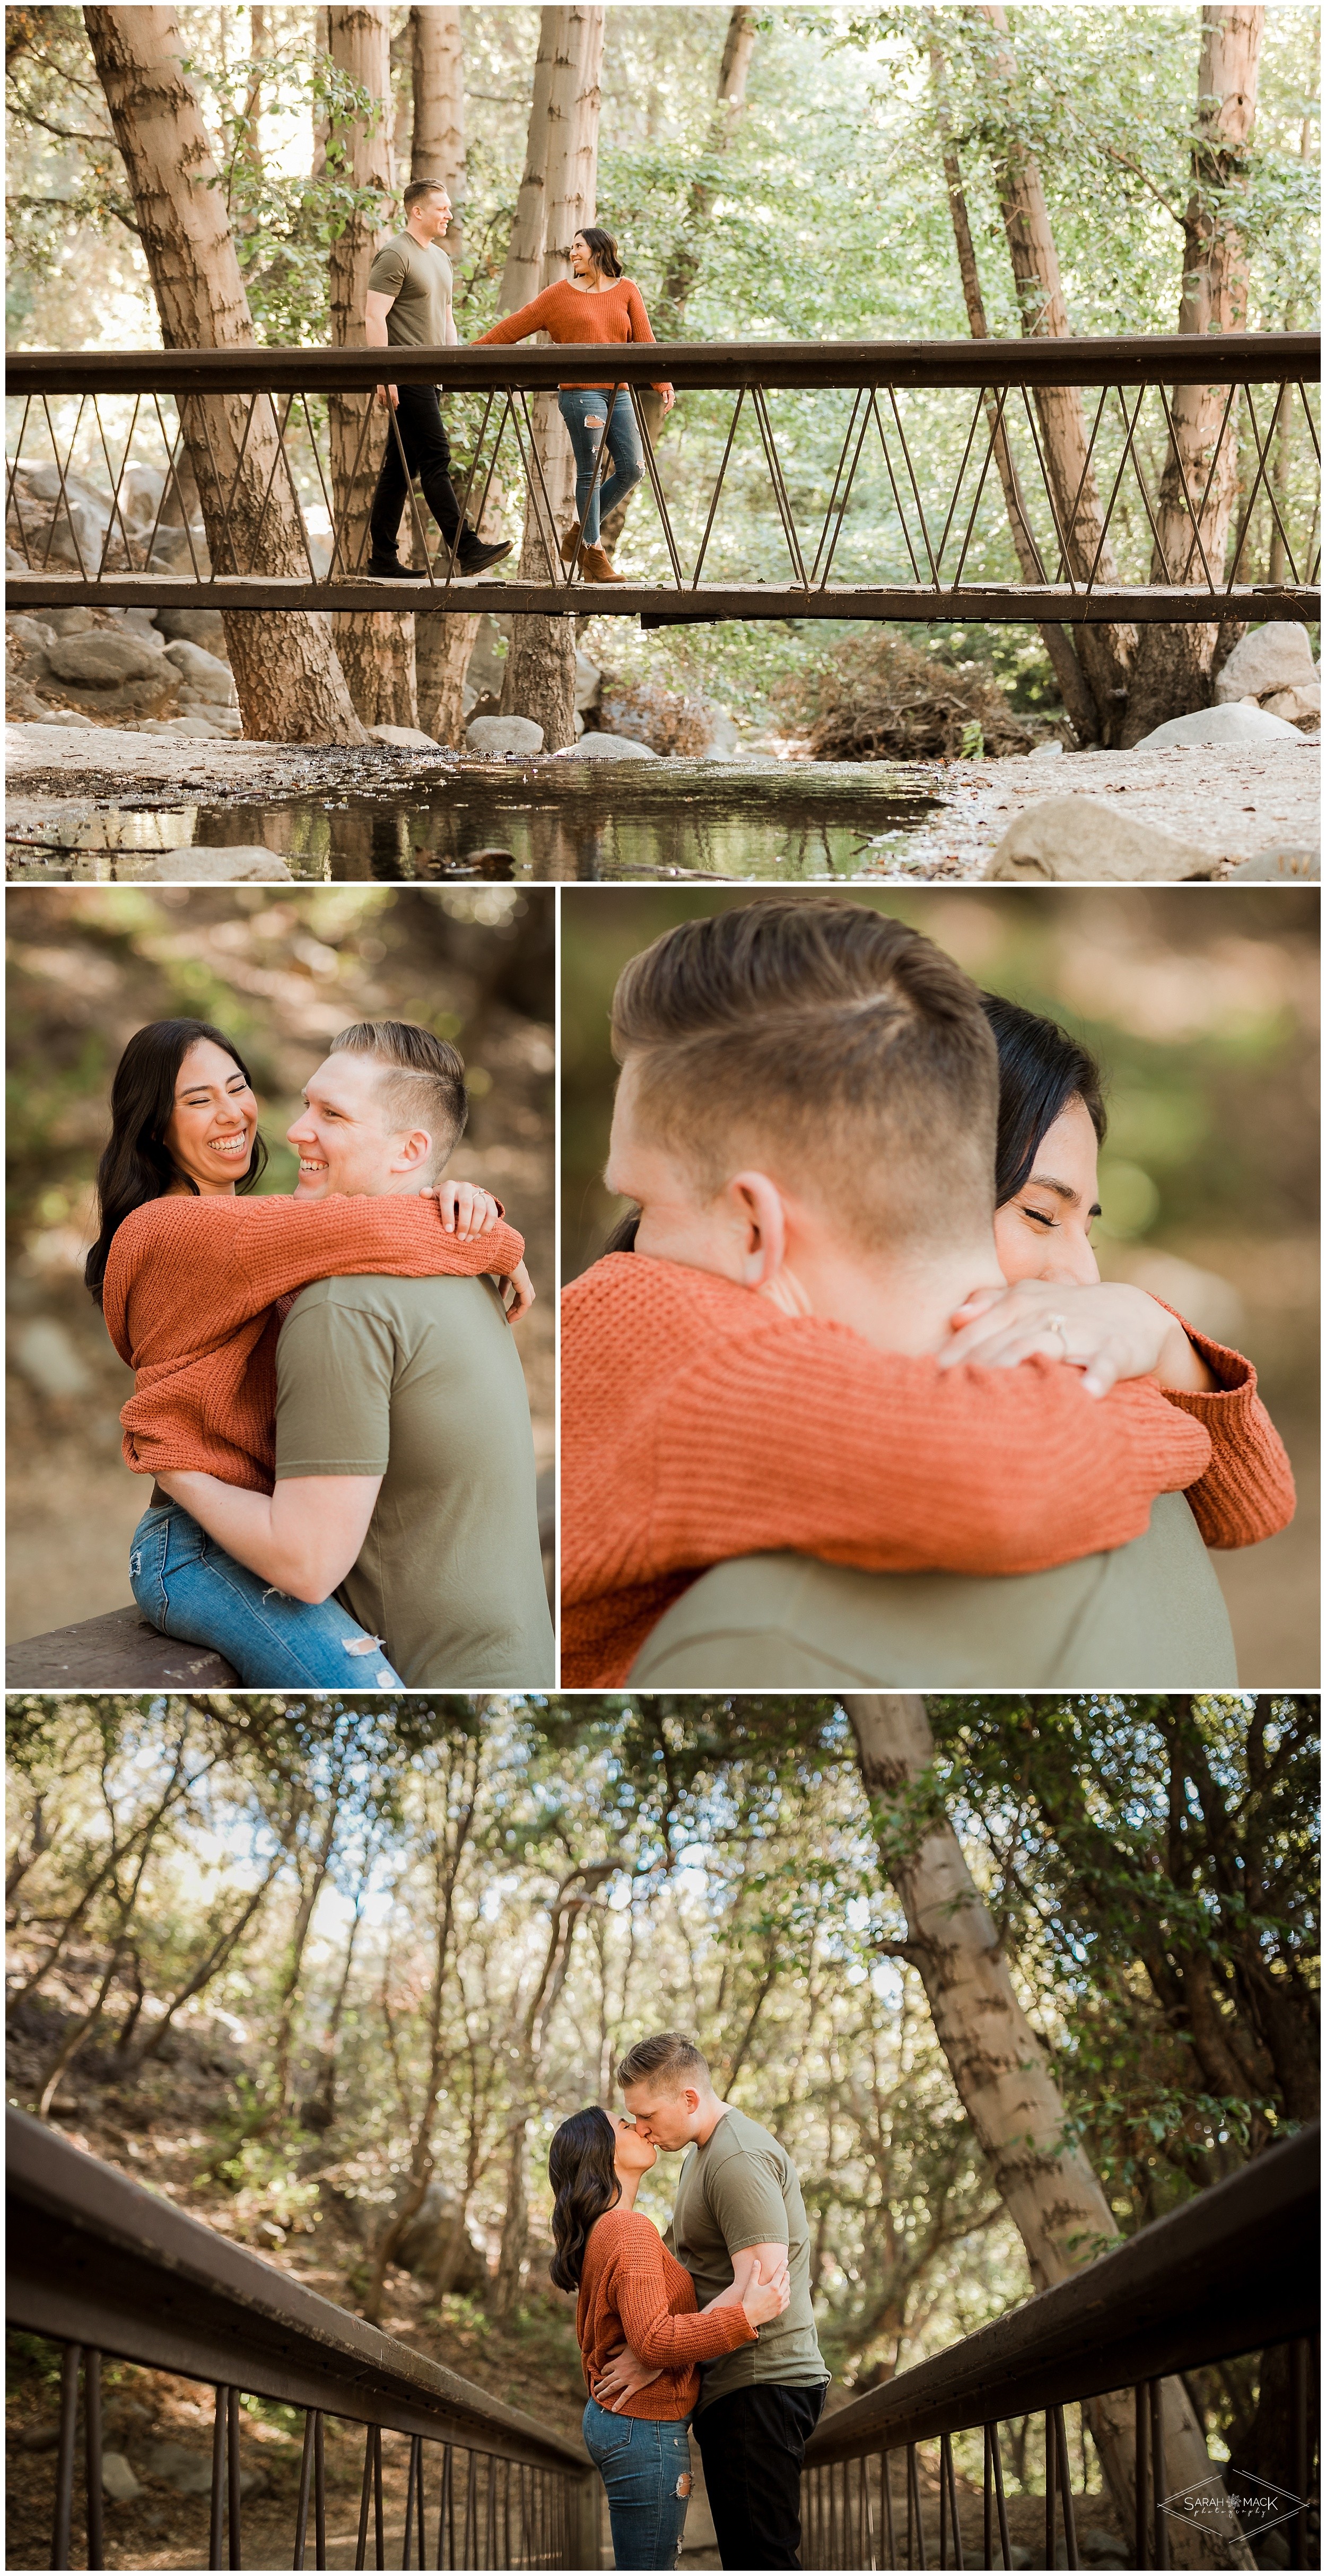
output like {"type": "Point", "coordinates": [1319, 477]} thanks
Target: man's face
{"type": "Point", "coordinates": [432, 214]}
{"type": "Point", "coordinates": [345, 1140]}
{"type": "Point", "coordinates": [667, 2120]}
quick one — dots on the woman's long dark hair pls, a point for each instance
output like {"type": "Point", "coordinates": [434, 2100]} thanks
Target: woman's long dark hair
{"type": "Point", "coordinates": [1041, 1069]}
{"type": "Point", "coordinates": [136, 1165]}
{"type": "Point", "coordinates": [603, 248]}
{"type": "Point", "coordinates": [584, 2179]}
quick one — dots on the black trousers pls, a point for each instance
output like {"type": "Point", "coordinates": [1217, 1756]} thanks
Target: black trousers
{"type": "Point", "coordinates": [428, 455]}
{"type": "Point", "coordinates": [753, 2444]}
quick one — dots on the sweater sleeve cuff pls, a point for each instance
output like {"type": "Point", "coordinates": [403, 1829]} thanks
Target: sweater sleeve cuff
{"type": "Point", "coordinates": [1236, 1379]}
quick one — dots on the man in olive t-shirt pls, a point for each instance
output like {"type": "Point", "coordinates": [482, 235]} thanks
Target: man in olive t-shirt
{"type": "Point", "coordinates": [408, 306]}
{"type": "Point", "coordinates": [738, 2193]}
{"type": "Point", "coordinates": [412, 1391]}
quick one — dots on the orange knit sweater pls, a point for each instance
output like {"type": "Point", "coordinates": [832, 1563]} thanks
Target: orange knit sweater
{"type": "Point", "coordinates": [633, 2291]}
{"type": "Point", "coordinates": [699, 1423]}
{"type": "Point", "coordinates": [568, 316]}
{"type": "Point", "coordinates": [191, 1285]}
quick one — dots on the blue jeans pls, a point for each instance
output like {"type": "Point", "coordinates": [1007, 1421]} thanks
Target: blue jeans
{"type": "Point", "coordinates": [646, 2469]}
{"type": "Point", "coordinates": [584, 413]}
{"type": "Point", "coordinates": [190, 1588]}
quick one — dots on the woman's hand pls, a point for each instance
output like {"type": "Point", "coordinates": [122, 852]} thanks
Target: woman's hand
{"type": "Point", "coordinates": [523, 1294]}
{"type": "Point", "coordinates": [625, 2375]}
{"type": "Point", "coordinates": [1109, 1331]}
{"type": "Point", "coordinates": [465, 1209]}
{"type": "Point", "coordinates": [668, 399]}
{"type": "Point", "coordinates": [761, 2300]}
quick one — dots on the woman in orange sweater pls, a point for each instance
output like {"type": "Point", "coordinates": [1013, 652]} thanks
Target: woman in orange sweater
{"type": "Point", "coordinates": [597, 303]}
{"type": "Point", "coordinates": [683, 1397]}
{"type": "Point", "coordinates": [632, 2291]}
{"type": "Point", "coordinates": [193, 1277]}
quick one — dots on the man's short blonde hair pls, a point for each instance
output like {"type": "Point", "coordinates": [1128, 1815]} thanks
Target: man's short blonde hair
{"type": "Point", "coordinates": [670, 2060]}
{"type": "Point", "coordinates": [830, 1044]}
{"type": "Point", "coordinates": [423, 1082]}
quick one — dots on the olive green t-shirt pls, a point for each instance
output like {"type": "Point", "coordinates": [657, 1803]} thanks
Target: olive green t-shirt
{"type": "Point", "coordinates": [740, 2188]}
{"type": "Point", "coordinates": [418, 275]}
{"type": "Point", "coordinates": [1150, 1614]}
{"type": "Point", "coordinates": [419, 1381]}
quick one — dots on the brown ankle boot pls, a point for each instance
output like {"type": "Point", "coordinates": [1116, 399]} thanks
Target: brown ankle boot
{"type": "Point", "coordinates": [597, 566]}
{"type": "Point", "coordinates": [570, 545]}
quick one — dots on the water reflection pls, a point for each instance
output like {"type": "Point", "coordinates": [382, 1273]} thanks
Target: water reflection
{"type": "Point", "coordinates": [795, 827]}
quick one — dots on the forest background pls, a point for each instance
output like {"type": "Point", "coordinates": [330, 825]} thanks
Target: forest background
{"type": "Point", "coordinates": [1204, 1014]}
{"type": "Point", "coordinates": [280, 973]}
{"type": "Point", "coordinates": [771, 174]}
{"type": "Point", "coordinates": [329, 1973]}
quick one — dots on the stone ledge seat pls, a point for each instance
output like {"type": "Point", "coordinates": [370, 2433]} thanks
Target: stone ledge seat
{"type": "Point", "coordinates": [118, 1651]}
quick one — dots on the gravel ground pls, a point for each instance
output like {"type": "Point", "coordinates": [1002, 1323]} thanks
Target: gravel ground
{"type": "Point", "coordinates": [1229, 802]}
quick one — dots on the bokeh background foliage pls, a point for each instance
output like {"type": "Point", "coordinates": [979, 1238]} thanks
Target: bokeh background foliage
{"type": "Point", "coordinates": [281, 973]}
{"type": "Point", "coordinates": [1202, 1004]}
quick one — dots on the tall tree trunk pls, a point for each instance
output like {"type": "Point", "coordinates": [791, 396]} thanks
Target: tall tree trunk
{"type": "Point", "coordinates": [684, 264]}
{"type": "Point", "coordinates": [437, 144]}
{"type": "Point", "coordinates": [1173, 670]}
{"type": "Point", "coordinates": [567, 1913]}
{"type": "Point", "coordinates": [1057, 640]}
{"type": "Point", "coordinates": [999, 2066]}
{"type": "Point", "coordinates": [442, 645]}
{"type": "Point", "coordinates": [540, 675]}
{"type": "Point", "coordinates": [1105, 652]}
{"type": "Point", "coordinates": [376, 650]}
{"type": "Point", "coordinates": [524, 258]}
{"type": "Point", "coordinates": [449, 1847]}
{"type": "Point", "coordinates": [290, 684]}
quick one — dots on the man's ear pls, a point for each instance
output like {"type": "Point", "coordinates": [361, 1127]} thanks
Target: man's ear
{"type": "Point", "coordinates": [757, 1204]}
{"type": "Point", "coordinates": [413, 1151]}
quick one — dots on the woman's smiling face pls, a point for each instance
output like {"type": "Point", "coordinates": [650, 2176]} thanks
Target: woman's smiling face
{"type": "Point", "coordinates": [210, 1133]}
{"type": "Point", "coordinates": [1044, 1231]}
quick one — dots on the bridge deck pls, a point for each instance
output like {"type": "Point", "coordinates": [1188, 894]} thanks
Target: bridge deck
{"type": "Point", "coordinates": [991, 604]}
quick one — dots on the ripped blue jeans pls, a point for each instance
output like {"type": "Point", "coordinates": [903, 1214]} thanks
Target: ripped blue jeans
{"type": "Point", "coordinates": [188, 1587]}
{"type": "Point", "coordinates": [584, 411]}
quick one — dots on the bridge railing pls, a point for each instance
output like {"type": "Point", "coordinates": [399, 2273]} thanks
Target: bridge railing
{"type": "Point", "coordinates": [106, 2269]}
{"type": "Point", "coordinates": [1232, 2273]}
{"type": "Point", "coordinates": [881, 479]}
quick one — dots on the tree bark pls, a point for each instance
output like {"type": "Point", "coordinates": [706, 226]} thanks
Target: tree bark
{"type": "Point", "coordinates": [1173, 670]}
{"type": "Point", "coordinates": [539, 680]}
{"type": "Point", "coordinates": [290, 684]}
{"type": "Point", "coordinates": [1105, 652]}
{"type": "Point", "coordinates": [999, 2066]}
{"type": "Point", "coordinates": [437, 144]}
{"type": "Point", "coordinates": [524, 258]}
{"type": "Point", "coordinates": [685, 261]}
{"type": "Point", "coordinates": [1078, 701]}
{"type": "Point", "coordinates": [377, 650]}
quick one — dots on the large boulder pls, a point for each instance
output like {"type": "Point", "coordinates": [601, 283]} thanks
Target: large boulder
{"type": "Point", "coordinates": [103, 659]}
{"type": "Point", "coordinates": [1074, 838]}
{"type": "Point", "coordinates": [240, 866]}
{"type": "Point", "coordinates": [203, 673]}
{"type": "Point", "coordinates": [493, 737]}
{"type": "Point", "coordinates": [1239, 724]}
{"type": "Point", "coordinates": [405, 737]}
{"type": "Point", "coordinates": [22, 629]}
{"type": "Point", "coordinates": [607, 746]}
{"type": "Point", "coordinates": [204, 626]}
{"type": "Point", "coordinates": [1272, 657]}
{"type": "Point", "coordinates": [196, 726]}
{"type": "Point", "coordinates": [437, 2246]}
{"type": "Point", "coordinates": [589, 682]}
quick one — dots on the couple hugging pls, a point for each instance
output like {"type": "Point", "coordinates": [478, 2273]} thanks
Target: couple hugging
{"type": "Point", "coordinates": [711, 2324]}
{"type": "Point", "coordinates": [327, 1393]}
{"type": "Point", "coordinates": [846, 1402]}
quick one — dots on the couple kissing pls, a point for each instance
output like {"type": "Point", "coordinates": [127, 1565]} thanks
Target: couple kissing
{"type": "Point", "coordinates": [710, 2325]}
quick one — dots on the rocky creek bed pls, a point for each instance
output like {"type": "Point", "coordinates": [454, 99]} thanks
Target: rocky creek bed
{"type": "Point", "coordinates": [114, 805]}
